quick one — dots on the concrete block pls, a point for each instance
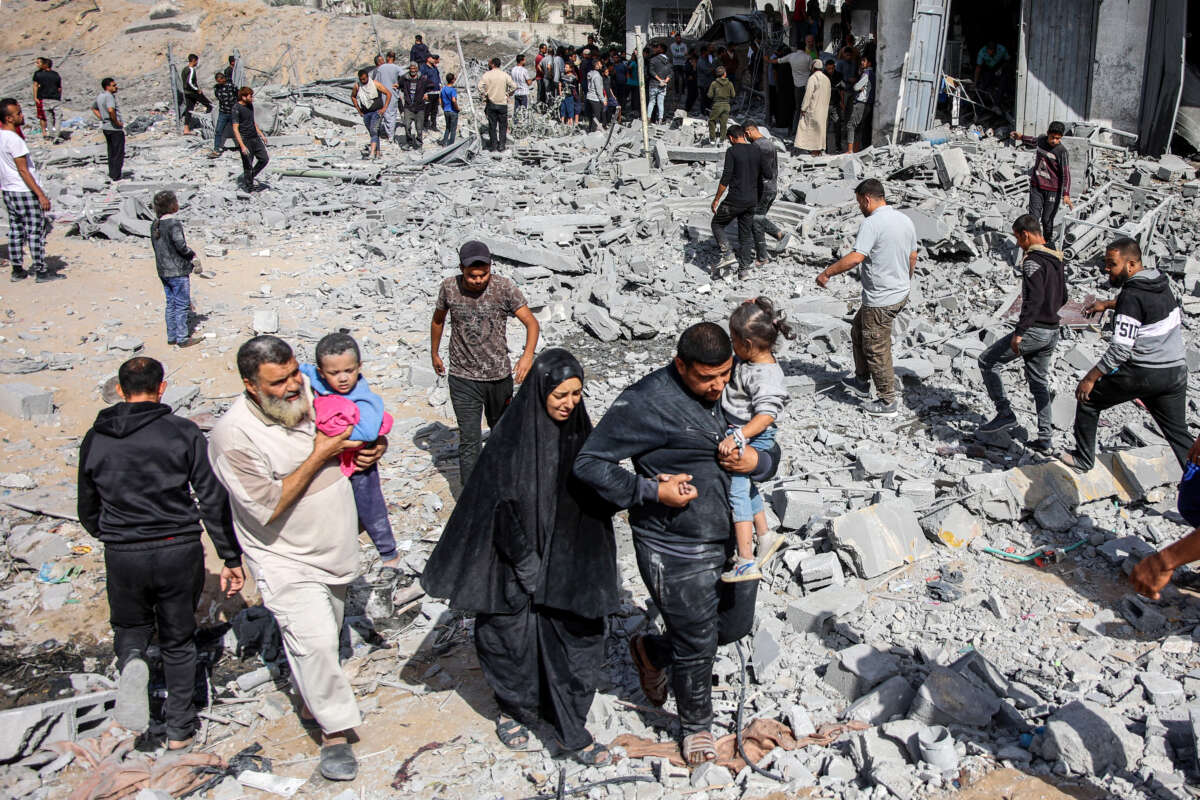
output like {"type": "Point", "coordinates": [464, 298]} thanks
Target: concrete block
{"type": "Point", "coordinates": [1141, 615]}
{"type": "Point", "coordinates": [952, 167]}
{"type": "Point", "coordinates": [1146, 468]}
{"type": "Point", "coordinates": [1033, 483]}
{"type": "Point", "coordinates": [796, 507]}
{"type": "Point", "coordinates": [266, 320]}
{"type": "Point", "coordinates": [596, 321]}
{"type": "Point", "coordinates": [821, 570]}
{"type": "Point", "coordinates": [1090, 740]}
{"type": "Point", "coordinates": [948, 698]}
{"type": "Point", "coordinates": [809, 614]}
{"type": "Point", "coordinates": [25, 729]}
{"type": "Point", "coordinates": [1080, 357]}
{"type": "Point", "coordinates": [1117, 550]}
{"type": "Point", "coordinates": [1052, 514]}
{"type": "Point", "coordinates": [800, 721]}
{"type": "Point", "coordinates": [959, 527]}
{"type": "Point", "coordinates": [881, 537]}
{"type": "Point", "coordinates": [858, 668]}
{"type": "Point", "coordinates": [24, 400]}
{"type": "Point", "coordinates": [889, 699]}
{"type": "Point", "coordinates": [711, 774]}
{"type": "Point", "coordinates": [873, 464]}
{"type": "Point", "coordinates": [179, 397]}
{"type": "Point", "coordinates": [1161, 690]}
{"type": "Point", "coordinates": [633, 168]}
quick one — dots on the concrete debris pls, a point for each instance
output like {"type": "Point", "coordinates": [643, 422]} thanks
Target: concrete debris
{"type": "Point", "coordinates": [881, 537]}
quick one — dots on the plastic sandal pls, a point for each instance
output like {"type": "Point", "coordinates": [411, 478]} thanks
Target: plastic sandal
{"type": "Point", "coordinates": [508, 730]}
{"type": "Point", "coordinates": [594, 755]}
{"type": "Point", "coordinates": [699, 747]}
{"type": "Point", "coordinates": [653, 680]}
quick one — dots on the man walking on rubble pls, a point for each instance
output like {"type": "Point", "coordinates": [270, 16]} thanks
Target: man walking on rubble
{"type": "Point", "coordinates": [226, 95]}
{"type": "Point", "coordinates": [669, 424]}
{"type": "Point", "coordinates": [192, 94]}
{"type": "Point", "coordinates": [47, 96]}
{"type": "Point", "coordinates": [1145, 360]}
{"type": "Point", "coordinates": [294, 514]}
{"type": "Point", "coordinates": [388, 73]}
{"type": "Point", "coordinates": [886, 247]}
{"type": "Point", "coordinates": [413, 89]}
{"type": "Point", "coordinates": [1043, 293]}
{"type": "Point", "coordinates": [739, 188]}
{"type": "Point", "coordinates": [768, 175]}
{"type": "Point", "coordinates": [24, 200]}
{"type": "Point", "coordinates": [496, 86]}
{"type": "Point", "coordinates": [1050, 178]}
{"type": "Point", "coordinates": [139, 466]}
{"type": "Point", "coordinates": [250, 140]}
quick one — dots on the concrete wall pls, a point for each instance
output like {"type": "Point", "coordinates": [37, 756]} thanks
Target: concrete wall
{"type": "Point", "coordinates": [1120, 62]}
{"type": "Point", "coordinates": [893, 27]}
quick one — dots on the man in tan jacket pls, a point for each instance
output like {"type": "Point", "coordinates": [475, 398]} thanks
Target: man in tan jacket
{"type": "Point", "coordinates": [496, 86]}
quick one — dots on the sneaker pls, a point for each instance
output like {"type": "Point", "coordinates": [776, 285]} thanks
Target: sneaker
{"type": "Point", "coordinates": [133, 701]}
{"type": "Point", "coordinates": [188, 342]}
{"type": "Point", "coordinates": [860, 388]}
{"type": "Point", "coordinates": [744, 569]}
{"type": "Point", "coordinates": [47, 276]}
{"type": "Point", "coordinates": [1042, 446]}
{"type": "Point", "coordinates": [1001, 422]}
{"type": "Point", "coordinates": [879, 408]}
{"type": "Point", "coordinates": [18, 275]}
{"type": "Point", "coordinates": [1072, 459]}
{"type": "Point", "coordinates": [213, 154]}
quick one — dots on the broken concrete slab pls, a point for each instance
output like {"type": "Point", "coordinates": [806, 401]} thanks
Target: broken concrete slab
{"type": "Point", "coordinates": [889, 699]}
{"type": "Point", "coordinates": [810, 613]}
{"type": "Point", "coordinates": [948, 698]}
{"type": "Point", "coordinates": [881, 537]}
{"type": "Point", "coordinates": [559, 260]}
{"type": "Point", "coordinates": [1146, 468]}
{"type": "Point", "coordinates": [958, 527]}
{"type": "Point", "coordinates": [25, 401]}
{"type": "Point", "coordinates": [1090, 740]}
{"type": "Point", "coordinates": [796, 507]}
{"type": "Point", "coordinates": [858, 668]}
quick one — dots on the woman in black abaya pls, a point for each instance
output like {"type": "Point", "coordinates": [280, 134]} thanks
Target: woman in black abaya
{"type": "Point", "coordinates": [530, 550]}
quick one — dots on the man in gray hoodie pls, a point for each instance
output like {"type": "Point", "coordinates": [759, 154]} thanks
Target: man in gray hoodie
{"type": "Point", "coordinates": [1145, 360]}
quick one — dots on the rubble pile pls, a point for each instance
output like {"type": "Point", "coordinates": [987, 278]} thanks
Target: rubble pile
{"type": "Point", "coordinates": [958, 596]}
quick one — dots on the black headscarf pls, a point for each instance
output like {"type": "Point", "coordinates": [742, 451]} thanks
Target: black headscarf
{"type": "Point", "coordinates": [524, 525]}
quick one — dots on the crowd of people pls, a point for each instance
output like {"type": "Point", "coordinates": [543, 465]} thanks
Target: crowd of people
{"type": "Point", "coordinates": [290, 473]}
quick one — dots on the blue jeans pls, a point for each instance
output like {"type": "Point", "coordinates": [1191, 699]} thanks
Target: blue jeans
{"type": "Point", "coordinates": [1037, 350]}
{"type": "Point", "coordinates": [451, 127]}
{"type": "Point", "coordinates": [179, 303]}
{"type": "Point", "coordinates": [222, 130]}
{"type": "Point", "coordinates": [743, 494]}
{"type": "Point", "coordinates": [657, 95]}
{"type": "Point", "coordinates": [372, 511]}
{"type": "Point", "coordinates": [372, 119]}
{"type": "Point", "coordinates": [566, 109]}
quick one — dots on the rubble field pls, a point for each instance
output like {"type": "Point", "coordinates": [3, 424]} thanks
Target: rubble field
{"type": "Point", "coordinates": [950, 618]}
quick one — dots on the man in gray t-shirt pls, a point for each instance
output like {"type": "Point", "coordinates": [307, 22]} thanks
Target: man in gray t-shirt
{"type": "Point", "coordinates": [111, 125]}
{"type": "Point", "coordinates": [886, 247]}
{"type": "Point", "coordinates": [388, 73]}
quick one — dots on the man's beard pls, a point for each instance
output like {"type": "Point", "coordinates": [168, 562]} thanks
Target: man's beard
{"type": "Point", "coordinates": [288, 413]}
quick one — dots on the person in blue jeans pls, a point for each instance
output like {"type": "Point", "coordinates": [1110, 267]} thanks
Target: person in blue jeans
{"type": "Point", "coordinates": [752, 401]}
{"type": "Point", "coordinates": [226, 94]}
{"type": "Point", "coordinates": [449, 97]}
{"type": "Point", "coordinates": [339, 371]}
{"type": "Point", "coordinates": [175, 262]}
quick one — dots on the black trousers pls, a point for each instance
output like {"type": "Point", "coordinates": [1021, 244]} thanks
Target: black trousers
{"type": "Point", "coordinates": [543, 663]}
{"type": "Point", "coordinates": [431, 108]}
{"type": "Point", "coordinates": [596, 117]}
{"type": "Point", "coordinates": [1044, 206]}
{"type": "Point", "coordinates": [1162, 391]}
{"type": "Point", "coordinates": [191, 99]}
{"type": "Point", "coordinates": [471, 399]}
{"type": "Point", "coordinates": [745, 219]}
{"type": "Point", "coordinates": [157, 590]}
{"type": "Point", "coordinates": [497, 117]}
{"type": "Point", "coordinates": [115, 141]}
{"type": "Point", "coordinates": [700, 613]}
{"type": "Point", "coordinates": [254, 161]}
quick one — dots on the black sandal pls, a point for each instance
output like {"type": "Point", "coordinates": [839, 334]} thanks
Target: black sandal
{"type": "Point", "coordinates": [594, 755]}
{"type": "Point", "coordinates": [508, 730]}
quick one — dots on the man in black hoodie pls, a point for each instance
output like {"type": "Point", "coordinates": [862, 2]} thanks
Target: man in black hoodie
{"type": "Point", "coordinates": [138, 467]}
{"type": "Point", "coordinates": [1043, 293]}
{"type": "Point", "coordinates": [669, 424]}
{"type": "Point", "coordinates": [1145, 360]}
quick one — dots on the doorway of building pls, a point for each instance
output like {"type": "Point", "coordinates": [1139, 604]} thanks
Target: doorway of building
{"type": "Point", "coordinates": [982, 46]}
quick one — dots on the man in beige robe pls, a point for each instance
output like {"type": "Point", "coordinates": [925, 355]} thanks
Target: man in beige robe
{"type": "Point", "coordinates": [810, 132]}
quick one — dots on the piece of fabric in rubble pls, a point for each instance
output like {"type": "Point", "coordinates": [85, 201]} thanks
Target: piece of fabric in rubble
{"type": "Point", "coordinates": [524, 524]}
{"type": "Point", "coordinates": [758, 738]}
{"type": "Point", "coordinates": [116, 771]}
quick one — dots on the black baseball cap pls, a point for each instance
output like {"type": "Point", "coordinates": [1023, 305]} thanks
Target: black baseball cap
{"type": "Point", "coordinates": [473, 253]}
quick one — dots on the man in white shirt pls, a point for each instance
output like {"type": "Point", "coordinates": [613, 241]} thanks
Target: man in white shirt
{"type": "Point", "coordinates": [886, 248]}
{"type": "Point", "coordinates": [295, 518]}
{"type": "Point", "coordinates": [523, 80]}
{"type": "Point", "coordinates": [801, 65]}
{"type": "Point", "coordinates": [24, 199]}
